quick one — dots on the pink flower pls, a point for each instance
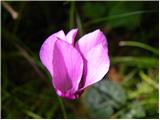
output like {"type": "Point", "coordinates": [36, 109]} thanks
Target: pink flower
{"type": "Point", "coordinates": [74, 66]}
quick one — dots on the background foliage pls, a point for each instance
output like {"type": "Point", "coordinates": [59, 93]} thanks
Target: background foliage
{"type": "Point", "coordinates": [130, 89]}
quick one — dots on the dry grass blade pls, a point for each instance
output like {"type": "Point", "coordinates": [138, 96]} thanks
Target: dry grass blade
{"type": "Point", "coordinates": [30, 60]}
{"type": "Point", "coordinates": [13, 13]}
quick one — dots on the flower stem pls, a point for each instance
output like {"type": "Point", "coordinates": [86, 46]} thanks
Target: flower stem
{"type": "Point", "coordinates": [62, 107]}
{"type": "Point", "coordinates": [71, 14]}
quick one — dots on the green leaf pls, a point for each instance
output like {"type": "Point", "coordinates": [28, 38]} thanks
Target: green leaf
{"type": "Point", "coordinates": [103, 98]}
{"type": "Point", "coordinates": [113, 90]}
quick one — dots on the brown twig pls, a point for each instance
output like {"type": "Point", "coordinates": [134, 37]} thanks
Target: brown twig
{"type": "Point", "coordinates": [12, 12]}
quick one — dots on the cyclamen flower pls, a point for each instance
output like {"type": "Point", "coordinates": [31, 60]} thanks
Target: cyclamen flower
{"type": "Point", "coordinates": [75, 66]}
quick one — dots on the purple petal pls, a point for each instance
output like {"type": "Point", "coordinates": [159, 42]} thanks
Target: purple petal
{"type": "Point", "coordinates": [67, 69]}
{"type": "Point", "coordinates": [71, 36]}
{"type": "Point", "coordinates": [90, 40]}
{"type": "Point", "coordinates": [46, 51]}
{"type": "Point", "coordinates": [60, 35]}
{"type": "Point", "coordinates": [96, 65]}
{"type": "Point", "coordinates": [93, 48]}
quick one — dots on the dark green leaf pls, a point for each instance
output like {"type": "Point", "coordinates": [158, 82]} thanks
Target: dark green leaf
{"type": "Point", "coordinates": [103, 98]}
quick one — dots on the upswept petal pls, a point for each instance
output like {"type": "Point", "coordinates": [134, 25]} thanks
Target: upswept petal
{"type": "Point", "coordinates": [96, 65]}
{"type": "Point", "coordinates": [67, 69]}
{"type": "Point", "coordinates": [60, 35]}
{"type": "Point", "coordinates": [93, 48]}
{"type": "Point", "coordinates": [46, 51]}
{"type": "Point", "coordinates": [90, 40]}
{"type": "Point", "coordinates": [70, 37]}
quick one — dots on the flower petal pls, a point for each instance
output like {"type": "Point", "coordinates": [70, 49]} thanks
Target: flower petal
{"type": "Point", "coordinates": [46, 51]}
{"type": "Point", "coordinates": [67, 69]}
{"type": "Point", "coordinates": [96, 65]}
{"type": "Point", "coordinates": [60, 35]}
{"type": "Point", "coordinates": [90, 40]}
{"type": "Point", "coordinates": [71, 36]}
{"type": "Point", "coordinates": [93, 48]}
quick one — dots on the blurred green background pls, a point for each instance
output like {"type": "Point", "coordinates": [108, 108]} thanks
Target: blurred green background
{"type": "Point", "coordinates": [130, 88]}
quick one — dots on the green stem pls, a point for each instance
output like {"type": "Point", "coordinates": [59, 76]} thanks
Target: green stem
{"type": "Point", "coordinates": [63, 108]}
{"type": "Point", "coordinates": [71, 15]}
{"type": "Point", "coordinates": [79, 24]}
